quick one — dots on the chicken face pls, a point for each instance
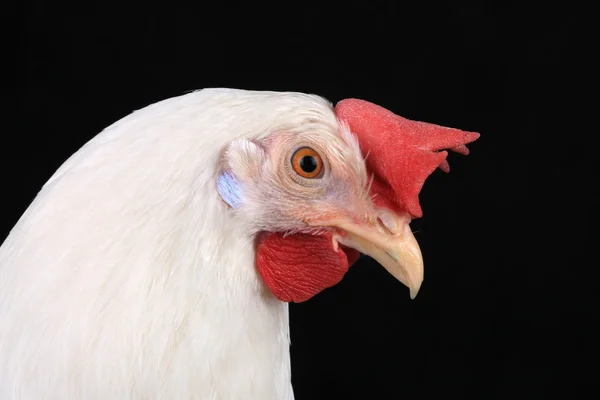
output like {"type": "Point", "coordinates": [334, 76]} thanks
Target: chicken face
{"type": "Point", "coordinates": [307, 194]}
{"type": "Point", "coordinates": [296, 181]}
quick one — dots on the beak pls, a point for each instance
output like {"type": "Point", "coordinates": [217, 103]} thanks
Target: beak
{"type": "Point", "coordinates": [390, 241]}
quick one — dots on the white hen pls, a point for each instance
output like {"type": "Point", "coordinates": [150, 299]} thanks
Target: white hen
{"type": "Point", "coordinates": [129, 277]}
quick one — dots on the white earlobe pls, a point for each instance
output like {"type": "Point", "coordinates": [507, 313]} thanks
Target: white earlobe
{"type": "Point", "coordinates": [245, 159]}
{"type": "Point", "coordinates": [242, 164]}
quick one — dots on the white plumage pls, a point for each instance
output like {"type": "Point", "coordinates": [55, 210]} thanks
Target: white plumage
{"type": "Point", "coordinates": [127, 278]}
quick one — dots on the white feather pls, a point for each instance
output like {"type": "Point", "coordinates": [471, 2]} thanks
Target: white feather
{"type": "Point", "coordinates": [127, 278]}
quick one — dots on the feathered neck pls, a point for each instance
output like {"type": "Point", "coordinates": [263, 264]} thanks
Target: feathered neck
{"type": "Point", "coordinates": [131, 256]}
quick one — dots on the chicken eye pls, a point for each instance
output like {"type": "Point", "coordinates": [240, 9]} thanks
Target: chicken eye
{"type": "Point", "coordinates": [307, 163]}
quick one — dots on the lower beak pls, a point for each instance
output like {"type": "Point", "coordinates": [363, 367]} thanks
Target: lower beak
{"type": "Point", "coordinates": [391, 243]}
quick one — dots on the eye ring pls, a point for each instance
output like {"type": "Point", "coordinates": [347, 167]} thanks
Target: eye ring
{"type": "Point", "coordinates": [307, 163]}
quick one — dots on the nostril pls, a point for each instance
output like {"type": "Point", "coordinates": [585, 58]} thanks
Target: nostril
{"type": "Point", "coordinates": [389, 222]}
{"type": "Point", "coordinates": [382, 226]}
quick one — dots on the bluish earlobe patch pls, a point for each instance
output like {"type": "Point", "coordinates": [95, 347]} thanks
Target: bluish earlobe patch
{"type": "Point", "coordinates": [229, 188]}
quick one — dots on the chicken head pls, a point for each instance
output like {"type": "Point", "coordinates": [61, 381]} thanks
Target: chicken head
{"type": "Point", "coordinates": [318, 194]}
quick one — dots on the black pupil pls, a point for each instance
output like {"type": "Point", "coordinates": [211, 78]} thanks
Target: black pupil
{"type": "Point", "coordinates": [308, 164]}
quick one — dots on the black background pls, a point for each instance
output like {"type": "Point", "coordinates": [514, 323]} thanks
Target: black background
{"type": "Point", "coordinates": [506, 308]}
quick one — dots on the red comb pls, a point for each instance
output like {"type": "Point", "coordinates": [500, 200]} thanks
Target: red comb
{"type": "Point", "coordinates": [400, 153]}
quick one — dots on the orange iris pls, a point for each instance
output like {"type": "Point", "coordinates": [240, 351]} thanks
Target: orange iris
{"type": "Point", "coordinates": [307, 163]}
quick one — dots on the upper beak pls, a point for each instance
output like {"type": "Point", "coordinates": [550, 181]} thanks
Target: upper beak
{"type": "Point", "coordinates": [389, 240]}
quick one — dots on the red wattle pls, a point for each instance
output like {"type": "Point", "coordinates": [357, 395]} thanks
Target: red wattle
{"type": "Point", "coordinates": [296, 270]}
